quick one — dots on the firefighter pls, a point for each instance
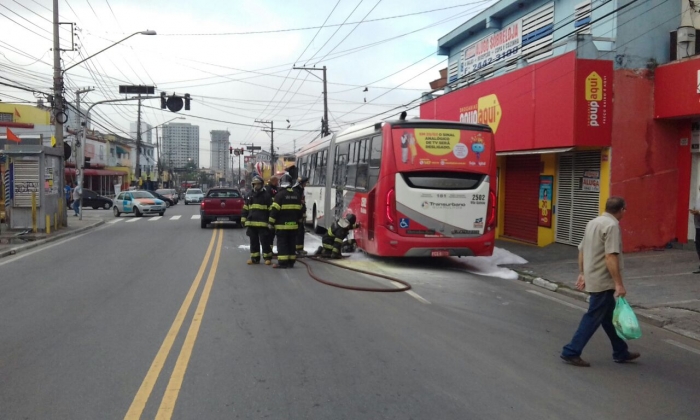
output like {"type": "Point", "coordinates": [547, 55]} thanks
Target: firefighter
{"type": "Point", "coordinates": [285, 213]}
{"type": "Point", "coordinates": [256, 212]}
{"type": "Point", "coordinates": [299, 186]}
{"type": "Point", "coordinates": [336, 234]}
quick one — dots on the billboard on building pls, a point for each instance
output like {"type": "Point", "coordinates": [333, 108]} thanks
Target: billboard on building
{"type": "Point", "coordinates": [560, 102]}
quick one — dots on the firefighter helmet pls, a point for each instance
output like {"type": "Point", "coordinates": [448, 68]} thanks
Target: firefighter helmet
{"type": "Point", "coordinates": [286, 181]}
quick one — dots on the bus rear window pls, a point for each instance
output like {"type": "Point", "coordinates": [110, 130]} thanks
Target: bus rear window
{"type": "Point", "coordinates": [443, 180]}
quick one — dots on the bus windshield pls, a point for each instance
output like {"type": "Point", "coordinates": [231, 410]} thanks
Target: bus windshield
{"type": "Point", "coordinates": [448, 149]}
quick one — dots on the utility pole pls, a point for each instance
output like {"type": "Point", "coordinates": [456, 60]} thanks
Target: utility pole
{"type": "Point", "coordinates": [80, 147]}
{"type": "Point", "coordinates": [272, 140]}
{"type": "Point", "coordinates": [324, 124]}
{"type": "Point", "coordinates": [138, 143]}
{"type": "Point", "coordinates": [58, 101]}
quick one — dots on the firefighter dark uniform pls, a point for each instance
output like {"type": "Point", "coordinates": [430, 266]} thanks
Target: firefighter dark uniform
{"type": "Point", "coordinates": [299, 186]}
{"type": "Point", "coordinates": [336, 234]}
{"type": "Point", "coordinates": [284, 219]}
{"type": "Point", "coordinates": [256, 212]}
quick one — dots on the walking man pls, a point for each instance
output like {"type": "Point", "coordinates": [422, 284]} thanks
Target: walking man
{"type": "Point", "coordinates": [77, 193]}
{"type": "Point", "coordinates": [600, 274]}
{"type": "Point", "coordinates": [695, 211]}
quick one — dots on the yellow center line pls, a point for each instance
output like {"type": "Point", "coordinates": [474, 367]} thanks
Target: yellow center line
{"type": "Point", "coordinates": [167, 405]}
{"type": "Point", "coordinates": [144, 392]}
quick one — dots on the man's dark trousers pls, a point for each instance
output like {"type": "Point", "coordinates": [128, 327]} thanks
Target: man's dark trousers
{"type": "Point", "coordinates": [600, 312]}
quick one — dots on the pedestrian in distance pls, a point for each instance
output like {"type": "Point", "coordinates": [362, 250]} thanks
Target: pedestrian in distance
{"type": "Point", "coordinates": [301, 233]}
{"type": "Point", "coordinates": [695, 211]}
{"type": "Point", "coordinates": [69, 200]}
{"type": "Point", "coordinates": [256, 212]}
{"type": "Point", "coordinates": [600, 274]}
{"type": "Point", "coordinates": [335, 235]}
{"type": "Point", "coordinates": [285, 214]}
{"type": "Point", "coordinates": [77, 193]}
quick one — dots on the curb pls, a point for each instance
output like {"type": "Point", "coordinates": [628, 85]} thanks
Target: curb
{"type": "Point", "coordinates": [20, 248]}
{"type": "Point", "coordinates": [655, 320]}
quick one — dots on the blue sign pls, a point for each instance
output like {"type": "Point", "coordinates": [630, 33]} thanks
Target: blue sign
{"type": "Point", "coordinates": [404, 223]}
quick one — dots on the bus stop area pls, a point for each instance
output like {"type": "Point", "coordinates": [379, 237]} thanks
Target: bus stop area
{"type": "Point", "coordinates": [660, 284]}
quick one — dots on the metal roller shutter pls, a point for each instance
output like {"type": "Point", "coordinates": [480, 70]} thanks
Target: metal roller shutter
{"type": "Point", "coordinates": [522, 189]}
{"type": "Point", "coordinates": [575, 207]}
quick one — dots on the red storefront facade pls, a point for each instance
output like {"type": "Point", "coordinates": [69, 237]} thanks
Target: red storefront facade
{"type": "Point", "coordinates": [552, 121]}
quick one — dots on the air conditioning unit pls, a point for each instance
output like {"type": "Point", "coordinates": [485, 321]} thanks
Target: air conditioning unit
{"type": "Point", "coordinates": [673, 56]}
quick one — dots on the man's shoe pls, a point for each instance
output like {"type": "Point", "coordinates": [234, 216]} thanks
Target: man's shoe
{"type": "Point", "coordinates": [630, 356]}
{"type": "Point", "coordinates": [278, 266]}
{"type": "Point", "coordinates": [576, 361]}
{"type": "Point", "coordinates": [697, 271]}
{"type": "Point", "coordinates": [251, 262]}
{"type": "Point", "coordinates": [268, 262]}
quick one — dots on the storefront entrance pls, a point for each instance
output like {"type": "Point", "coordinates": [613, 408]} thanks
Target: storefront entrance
{"type": "Point", "coordinates": [521, 204]}
{"type": "Point", "coordinates": [578, 194]}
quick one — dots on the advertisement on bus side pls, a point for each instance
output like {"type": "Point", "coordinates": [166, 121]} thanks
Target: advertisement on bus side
{"type": "Point", "coordinates": [447, 149]}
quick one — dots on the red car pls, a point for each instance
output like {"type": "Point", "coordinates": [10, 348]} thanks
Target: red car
{"type": "Point", "coordinates": [221, 204]}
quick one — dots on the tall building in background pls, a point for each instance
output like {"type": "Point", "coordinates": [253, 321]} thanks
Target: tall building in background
{"type": "Point", "coordinates": [219, 150]}
{"type": "Point", "coordinates": [180, 145]}
{"type": "Point", "coordinates": [146, 131]}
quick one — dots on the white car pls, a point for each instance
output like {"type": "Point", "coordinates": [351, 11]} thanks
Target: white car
{"type": "Point", "coordinates": [138, 203]}
{"type": "Point", "coordinates": [193, 195]}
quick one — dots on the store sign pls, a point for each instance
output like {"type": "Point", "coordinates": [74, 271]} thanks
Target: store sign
{"type": "Point", "coordinates": [499, 47]}
{"type": "Point", "coordinates": [591, 181]}
{"type": "Point", "coordinates": [487, 111]}
{"type": "Point", "coordinates": [545, 201]}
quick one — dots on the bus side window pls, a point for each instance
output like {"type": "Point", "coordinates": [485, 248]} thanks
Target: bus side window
{"type": "Point", "coordinates": [340, 168]}
{"type": "Point", "coordinates": [352, 165]}
{"type": "Point", "coordinates": [362, 165]}
{"type": "Point", "coordinates": [322, 167]}
{"type": "Point", "coordinates": [375, 160]}
{"type": "Point", "coordinates": [312, 169]}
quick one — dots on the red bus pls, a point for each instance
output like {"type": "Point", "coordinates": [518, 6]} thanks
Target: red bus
{"type": "Point", "coordinates": [419, 188]}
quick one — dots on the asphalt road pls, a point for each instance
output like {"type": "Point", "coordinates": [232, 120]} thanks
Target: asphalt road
{"type": "Point", "coordinates": [158, 318]}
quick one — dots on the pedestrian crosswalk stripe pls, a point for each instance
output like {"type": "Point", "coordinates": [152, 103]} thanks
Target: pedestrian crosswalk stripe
{"type": "Point", "coordinates": [154, 218]}
{"type": "Point", "coordinates": [175, 217]}
{"type": "Point", "coordinates": [196, 217]}
{"type": "Point", "coordinates": [116, 221]}
{"type": "Point", "coordinates": [132, 220]}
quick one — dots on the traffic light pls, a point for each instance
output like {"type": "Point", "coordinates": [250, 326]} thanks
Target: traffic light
{"type": "Point", "coordinates": [187, 101]}
{"type": "Point", "coordinates": [230, 150]}
{"type": "Point", "coordinates": [163, 101]}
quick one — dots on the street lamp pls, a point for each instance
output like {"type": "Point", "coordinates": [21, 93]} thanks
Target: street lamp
{"type": "Point", "coordinates": [147, 32]}
{"type": "Point", "coordinates": [82, 154]}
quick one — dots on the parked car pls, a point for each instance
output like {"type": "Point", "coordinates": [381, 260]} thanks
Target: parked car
{"type": "Point", "coordinates": [221, 204]}
{"type": "Point", "coordinates": [169, 193]}
{"type": "Point", "coordinates": [96, 201]}
{"type": "Point", "coordinates": [138, 203]}
{"type": "Point", "coordinates": [168, 201]}
{"type": "Point", "coordinates": [193, 195]}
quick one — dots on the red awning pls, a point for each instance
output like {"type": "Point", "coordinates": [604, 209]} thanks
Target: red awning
{"type": "Point", "coordinates": [96, 172]}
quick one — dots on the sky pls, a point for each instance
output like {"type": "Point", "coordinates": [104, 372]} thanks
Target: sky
{"type": "Point", "coordinates": [235, 59]}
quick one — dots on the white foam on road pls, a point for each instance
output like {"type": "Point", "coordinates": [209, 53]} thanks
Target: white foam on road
{"type": "Point", "coordinates": [196, 217]}
{"type": "Point", "coordinates": [153, 219]}
{"type": "Point", "coordinates": [133, 219]}
{"type": "Point", "coordinates": [115, 221]}
{"type": "Point", "coordinates": [489, 266]}
{"type": "Point", "coordinates": [175, 217]}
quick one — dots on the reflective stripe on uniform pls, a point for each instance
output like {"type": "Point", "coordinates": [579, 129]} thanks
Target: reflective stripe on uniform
{"type": "Point", "coordinates": [257, 207]}
{"type": "Point", "coordinates": [293, 257]}
{"type": "Point", "coordinates": [271, 220]}
{"type": "Point", "coordinates": [256, 224]}
{"type": "Point", "coordinates": [255, 254]}
{"type": "Point", "coordinates": [287, 227]}
{"type": "Point", "coordinates": [245, 207]}
{"type": "Point", "coordinates": [283, 257]}
{"type": "Point", "coordinates": [291, 206]}
{"type": "Point", "coordinates": [275, 206]}
{"type": "Point", "coordinates": [267, 255]}
{"type": "Point", "coordinates": [328, 246]}
{"type": "Point", "coordinates": [243, 219]}
{"type": "Point", "coordinates": [300, 247]}
{"type": "Point", "coordinates": [339, 240]}
{"type": "Point", "coordinates": [330, 232]}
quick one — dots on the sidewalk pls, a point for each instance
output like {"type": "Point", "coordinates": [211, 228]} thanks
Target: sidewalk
{"type": "Point", "coordinates": [660, 284]}
{"type": "Point", "coordinates": [11, 243]}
